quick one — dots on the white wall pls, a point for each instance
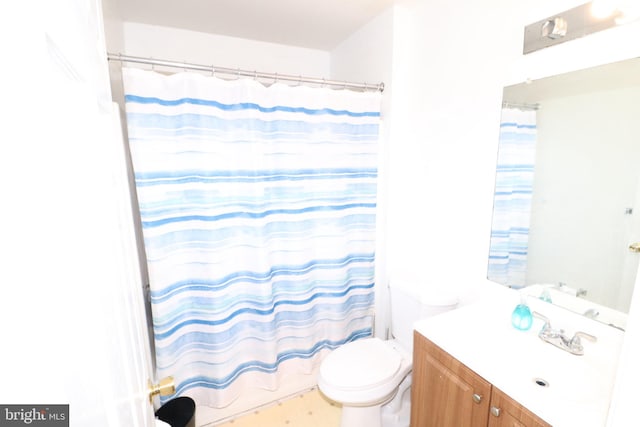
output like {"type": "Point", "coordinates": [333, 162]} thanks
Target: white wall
{"type": "Point", "coordinates": [113, 26]}
{"type": "Point", "coordinates": [368, 56]}
{"type": "Point", "coordinates": [150, 41]}
{"type": "Point", "coordinates": [445, 91]}
{"type": "Point", "coordinates": [231, 52]}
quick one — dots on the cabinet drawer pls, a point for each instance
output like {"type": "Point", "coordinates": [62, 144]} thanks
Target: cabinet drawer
{"type": "Point", "coordinates": [506, 412]}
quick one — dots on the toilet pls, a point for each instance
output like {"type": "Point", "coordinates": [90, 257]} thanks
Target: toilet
{"type": "Point", "coordinates": [370, 377]}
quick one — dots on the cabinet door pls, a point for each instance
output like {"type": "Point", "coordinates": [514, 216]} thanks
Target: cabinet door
{"type": "Point", "coordinates": [505, 412]}
{"type": "Point", "coordinates": [445, 393]}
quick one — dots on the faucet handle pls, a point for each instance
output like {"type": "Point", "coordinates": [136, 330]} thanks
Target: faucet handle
{"type": "Point", "coordinates": [580, 334]}
{"type": "Point", "coordinates": [545, 319]}
{"type": "Point", "coordinates": [575, 345]}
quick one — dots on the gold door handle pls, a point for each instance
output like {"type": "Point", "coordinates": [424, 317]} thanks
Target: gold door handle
{"type": "Point", "coordinates": [165, 387]}
{"type": "Point", "coordinates": [634, 247]}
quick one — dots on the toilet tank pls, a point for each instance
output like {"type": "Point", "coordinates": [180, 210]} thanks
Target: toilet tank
{"type": "Point", "coordinates": [410, 302]}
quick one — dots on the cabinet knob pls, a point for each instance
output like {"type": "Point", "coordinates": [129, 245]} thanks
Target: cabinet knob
{"type": "Point", "coordinates": [477, 398]}
{"type": "Point", "coordinates": [495, 411]}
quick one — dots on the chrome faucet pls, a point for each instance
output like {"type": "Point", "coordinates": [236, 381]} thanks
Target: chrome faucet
{"type": "Point", "coordinates": [559, 339]}
{"type": "Point", "coordinates": [591, 313]}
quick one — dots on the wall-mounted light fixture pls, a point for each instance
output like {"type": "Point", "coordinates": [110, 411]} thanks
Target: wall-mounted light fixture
{"type": "Point", "coordinates": [554, 28]}
{"type": "Point", "coordinates": [580, 21]}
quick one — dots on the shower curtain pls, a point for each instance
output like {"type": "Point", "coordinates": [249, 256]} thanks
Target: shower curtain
{"type": "Point", "coordinates": [258, 213]}
{"type": "Point", "coordinates": [512, 199]}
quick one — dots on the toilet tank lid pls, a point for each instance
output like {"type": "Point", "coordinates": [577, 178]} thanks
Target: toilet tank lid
{"type": "Point", "coordinates": [428, 295]}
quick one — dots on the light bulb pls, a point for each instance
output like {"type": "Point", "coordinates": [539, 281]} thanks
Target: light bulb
{"type": "Point", "coordinates": [602, 9]}
{"type": "Point", "coordinates": [630, 10]}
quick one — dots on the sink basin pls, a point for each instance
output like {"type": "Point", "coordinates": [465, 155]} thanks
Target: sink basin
{"type": "Point", "coordinates": [564, 389]}
{"type": "Point", "coordinates": [568, 377]}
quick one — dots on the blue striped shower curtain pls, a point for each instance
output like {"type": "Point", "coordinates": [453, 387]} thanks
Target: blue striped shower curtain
{"type": "Point", "coordinates": [258, 213]}
{"type": "Point", "coordinates": [512, 199]}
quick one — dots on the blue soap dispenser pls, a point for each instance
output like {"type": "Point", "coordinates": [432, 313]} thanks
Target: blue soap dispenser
{"type": "Point", "coordinates": [521, 317]}
{"type": "Point", "coordinates": [545, 296]}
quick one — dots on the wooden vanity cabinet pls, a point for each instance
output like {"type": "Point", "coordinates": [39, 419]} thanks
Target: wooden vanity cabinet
{"type": "Point", "coordinates": [446, 393]}
{"type": "Point", "coordinates": [506, 412]}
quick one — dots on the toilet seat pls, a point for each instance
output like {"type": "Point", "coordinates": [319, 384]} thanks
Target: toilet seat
{"type": "Point", "coordinates": [371, 378]}
{"type": "Point", "coordinates": [361, 365]}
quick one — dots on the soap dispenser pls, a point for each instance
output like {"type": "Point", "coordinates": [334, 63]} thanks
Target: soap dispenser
{"type": "Point", "coordinates": [545, 296]}
{"type": "Point", "coordinates": [521, 317]}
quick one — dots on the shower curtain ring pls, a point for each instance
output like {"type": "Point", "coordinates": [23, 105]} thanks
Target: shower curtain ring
{"type": "Point", "coordinates": [255, 75]}
{"type": "Point", "coordinates": [213, 71]}
{"type": "Point", "coordinates": [275, 79]}
{"type": "Point", "coordinates": [299, 79]}
{"type": "Point", "coordinates": [238, 73]}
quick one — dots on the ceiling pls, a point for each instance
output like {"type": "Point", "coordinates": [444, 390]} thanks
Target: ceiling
{"type": "Point", "coordinates": [315, 24]}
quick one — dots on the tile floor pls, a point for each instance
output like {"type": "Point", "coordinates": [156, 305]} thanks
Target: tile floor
{"type": "Point", "coordinates": [309, 409]}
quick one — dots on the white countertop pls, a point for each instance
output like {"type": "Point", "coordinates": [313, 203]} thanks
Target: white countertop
{"type": "Point", "coordinates": [480, 335]}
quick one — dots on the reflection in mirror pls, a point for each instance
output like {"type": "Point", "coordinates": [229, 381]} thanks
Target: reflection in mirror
{"type": "Point", "coordinates": [567, 199]}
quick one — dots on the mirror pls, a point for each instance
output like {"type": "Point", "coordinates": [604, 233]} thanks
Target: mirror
{"type": "Point", "coordinates": [577, 195]}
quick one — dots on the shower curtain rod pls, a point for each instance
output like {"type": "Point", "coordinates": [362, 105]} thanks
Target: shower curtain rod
{"type": "Point", "coordinates": [246, 73]}
{"type": "Point", "coordinates": [520, 106]}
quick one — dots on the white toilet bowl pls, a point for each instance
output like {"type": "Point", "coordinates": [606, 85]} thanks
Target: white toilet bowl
{"type": "Point", "coordinates": [370, 377]}
{"type": "Point", "coordinates": [363, 376]}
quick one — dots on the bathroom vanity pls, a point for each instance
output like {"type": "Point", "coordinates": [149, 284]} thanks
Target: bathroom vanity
{"type": "Point", "coordinates": [472, 368]}
{"type": "Point", "coordinates": [451, 394]}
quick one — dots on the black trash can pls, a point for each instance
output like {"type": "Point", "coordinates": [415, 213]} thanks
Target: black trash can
{"type": "Point", "coordinates": [178, 412]}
